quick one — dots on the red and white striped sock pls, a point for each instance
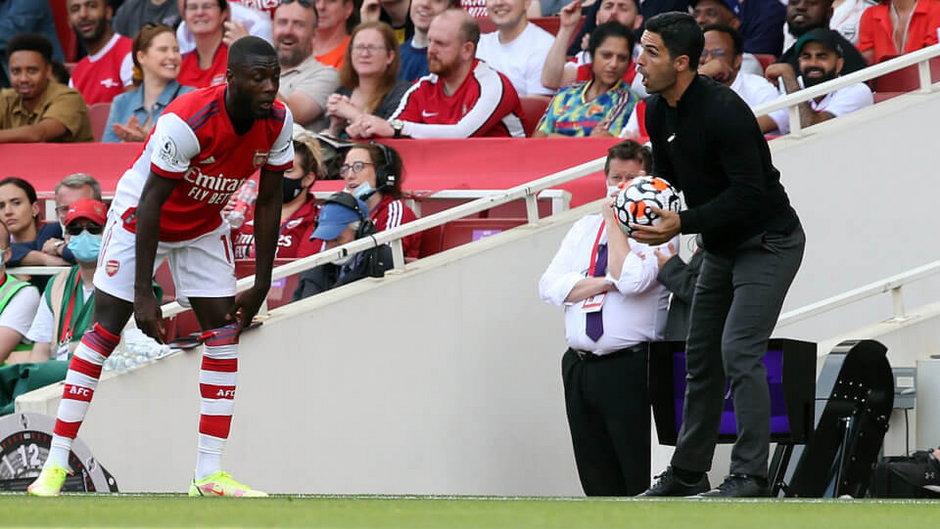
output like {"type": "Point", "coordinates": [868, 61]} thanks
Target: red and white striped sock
{"type": "Point", "coordinates": [217, 387]}
{"type": "Point", "coordinates": [80, 383]}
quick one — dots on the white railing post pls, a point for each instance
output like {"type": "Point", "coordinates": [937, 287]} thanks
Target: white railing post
{"type": "Point", "coordinates": [923, 73]}
{"type": "Point", "coordinates": [897, 301]}
{"type": "Point", "coordinates": [531, 206]}
{"type": "Point", "coordinates": [796, 126]}
{"type": "Point", "coordinates": [398, 254]}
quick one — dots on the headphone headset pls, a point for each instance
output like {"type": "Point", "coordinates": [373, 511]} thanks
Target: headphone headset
{"type": "Point", "coordinates": [385, 179]}
{"type": "Point", "coordinates": [366, 226]}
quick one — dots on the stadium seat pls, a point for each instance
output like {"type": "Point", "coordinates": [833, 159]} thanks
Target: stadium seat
{"type": "Point", "coordinates": [765, 59]}
{"type": "Point", "coordinates": [281, 289]}
{"type": "Point", "coordinates": [431, 241]}
{"type": "Point", "coordinates": [903, 80]}
{"type": "Point", "coordinates": [463, 231]}
{"type": "Point", "coordinates": [533, 107]}
{"type": "Point", "coordinates": [98, 115]}
{"type": "Point", "coordinates": [881, 96]}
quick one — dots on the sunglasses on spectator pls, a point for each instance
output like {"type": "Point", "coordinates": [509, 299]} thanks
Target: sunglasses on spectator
{"type": "Point", "coordinates": [356, 167]}
{"type": "Point", "coordinates": [76, 229]}
{"type": "Point", "coordinates": [371, 48]}
{"type": "Point", "coordinates": [305, 3]}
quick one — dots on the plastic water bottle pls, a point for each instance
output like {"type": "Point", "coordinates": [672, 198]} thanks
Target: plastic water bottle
{"type": "Point", "coordinates": [247, 194]}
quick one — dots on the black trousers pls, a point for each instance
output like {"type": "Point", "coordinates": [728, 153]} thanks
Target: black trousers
{"type": "Point", "coordinates": [609, 416]}
{"type": "Point", "coordinates": [735, 308]}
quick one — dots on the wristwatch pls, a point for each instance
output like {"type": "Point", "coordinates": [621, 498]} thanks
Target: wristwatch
{"type": "Point", "coordinates": [397, 125]}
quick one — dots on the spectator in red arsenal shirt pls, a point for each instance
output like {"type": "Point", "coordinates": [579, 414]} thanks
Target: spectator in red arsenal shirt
{"type": "Point", "coordinates": [205, 65]}
{"type": "Point", "coordinates": [373, 173]}
{"type": "Point", "coordinates": [107, 69]}
{"type": "Point", "coordinates": [462, 98]}
{"type": "Point", "coordinates": [299, 209]}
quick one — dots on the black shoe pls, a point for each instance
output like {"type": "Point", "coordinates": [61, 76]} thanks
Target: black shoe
{"type": "Point", "coordinates": [922, 470]}
{"type": "Point", "coordinates": [669, 484]}
{"type": "Point", "coordinates": [739, 486]}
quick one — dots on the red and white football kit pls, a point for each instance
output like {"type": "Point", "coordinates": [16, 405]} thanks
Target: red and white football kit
{"type": "Point", "coordinates": [192, 75]}
{"type": "Point", "coordinates": [194, 143]}
{"type": "Point", "coordinates": [293, 240]}
{"type": "Point", "coordinates": [486, 104]}
{"type": "Point", "coordinates": [102, 77]}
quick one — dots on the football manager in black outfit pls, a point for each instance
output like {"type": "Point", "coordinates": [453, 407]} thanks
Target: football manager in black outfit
{"type": "Point", "coordinates": [706, 141]}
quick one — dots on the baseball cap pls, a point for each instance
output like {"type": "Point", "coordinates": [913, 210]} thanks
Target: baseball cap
{"type": "Point", "coordinates": [336, 214]}
{"type": "Point", "coordinates": [86, 208]}
{"type": "Point", "coordinates": [828, 38]}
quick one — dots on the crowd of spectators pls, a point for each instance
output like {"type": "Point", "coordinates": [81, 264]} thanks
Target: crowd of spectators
{"type": "Point", "coordinates": [339, 58]}
{"type": "Point", "coordinates": [364, 69]}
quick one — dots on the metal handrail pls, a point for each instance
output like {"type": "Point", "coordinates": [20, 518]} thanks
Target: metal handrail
{"type": "Point", "coordinates": [394, 236]}
{"type": "Point", "coordinates": [920, 57]}
{"type": "Point", "coordinates": [528, 191]}
{"type": "Point", "coordinates": [891, 284]}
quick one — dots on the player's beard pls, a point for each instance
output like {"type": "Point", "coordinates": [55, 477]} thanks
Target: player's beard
{"type": "Point", "coordinates": [441, 68]}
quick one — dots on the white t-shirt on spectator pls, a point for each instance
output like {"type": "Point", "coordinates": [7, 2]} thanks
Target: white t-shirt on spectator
{"type": "Point", "coordinates": [838, 103]}
{"type": "Point", "coordinates": [845, 19]}
{"type": "Point", "coordinates": [520, 60]}
{"type": "Point", "coordinates": [41, 329]}
{"type": "Point", "coordinates": [256, 22]}
{"type": "Point", "coordinates": [754, 89]}
{"type": "Point", "coordinates": [19, 312]}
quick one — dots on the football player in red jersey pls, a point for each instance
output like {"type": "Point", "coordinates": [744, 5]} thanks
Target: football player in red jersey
{"type": "Point", "coordinates": [167, 205]}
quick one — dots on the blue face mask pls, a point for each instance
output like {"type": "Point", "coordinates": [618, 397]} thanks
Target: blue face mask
{"type": "Point", "coordinates": [364, 191]}
{"type": "Point", "coordinates": [85, 246]}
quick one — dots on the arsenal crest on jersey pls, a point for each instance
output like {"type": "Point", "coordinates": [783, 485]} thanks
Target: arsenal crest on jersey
{"type": "Point", "coordinates": [112, 267]}
{"type": "Point", "coordinates": [260, 158]}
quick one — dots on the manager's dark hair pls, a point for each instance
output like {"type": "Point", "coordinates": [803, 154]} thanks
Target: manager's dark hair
{"type": "Point", "coordinates": [607, 30]}
{"type": "Point", "coordinates": [31, 42]}
{"type": "Point", "coordinates": [629, 150]}
{"type": "Point", "coordinates": [249, 46]}
{"type": "Point", "coordinates": [736, 40]}
{"type": "Point", "coordinates": [681, 35]}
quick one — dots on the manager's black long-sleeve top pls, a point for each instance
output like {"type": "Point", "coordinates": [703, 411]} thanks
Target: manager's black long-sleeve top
{"type": "Point", "coordinates": [710, 146]}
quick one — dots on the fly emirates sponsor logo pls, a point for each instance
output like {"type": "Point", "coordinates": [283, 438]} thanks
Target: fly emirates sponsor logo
{"type": "Point", "coordinates": [208, 188]}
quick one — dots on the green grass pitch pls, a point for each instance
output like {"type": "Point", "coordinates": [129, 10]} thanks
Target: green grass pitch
{"type": "Point", "coordinates": [145, 511]}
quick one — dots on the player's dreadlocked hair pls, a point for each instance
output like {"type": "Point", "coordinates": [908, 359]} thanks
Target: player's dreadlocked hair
{"type": "Point", "coordinates": [249, 46]}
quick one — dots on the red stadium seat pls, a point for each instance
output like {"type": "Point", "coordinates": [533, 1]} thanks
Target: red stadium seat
{"type": "Point", "coordinates": [765, 59]}
{"type": "Point", "coordinates": [98, 115]}
{"type": "Point", "coordinates": [881, 96]}
{"type": "Point", "coordinates": [463, 231]}
{"type": "Point", "coordinates": [431, 241]}
{"type": "Point", "coordinates": [533, 107]}
{"type": "Point", "coordinates": [903, 80]}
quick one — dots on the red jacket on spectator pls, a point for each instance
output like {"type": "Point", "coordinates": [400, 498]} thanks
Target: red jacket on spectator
{"type": "Point", "coordinates": [876, 34]}
{"type": "Point", "coordinates": [293, 241]}
{"type": "Point", "coordinates": [390, 213]}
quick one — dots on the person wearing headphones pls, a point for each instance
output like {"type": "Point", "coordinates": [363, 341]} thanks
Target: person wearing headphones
{"type": "Point", "coordinates": [373, 173]}
{"type": "Point", "coordinates": [343, 219]}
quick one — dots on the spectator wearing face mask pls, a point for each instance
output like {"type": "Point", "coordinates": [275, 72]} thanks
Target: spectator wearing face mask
{"type": "Point", "coordinates": [65, 310]}
{"type": "Point", "coordinates": [299, 209]}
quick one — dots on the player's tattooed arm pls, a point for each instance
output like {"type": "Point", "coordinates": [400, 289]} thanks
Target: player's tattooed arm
{"type": "Point", "coordinates": [147, 312]}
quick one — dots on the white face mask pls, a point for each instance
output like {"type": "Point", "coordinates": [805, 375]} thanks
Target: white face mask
{"type": "Point", "coordinates": [612, 190]}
